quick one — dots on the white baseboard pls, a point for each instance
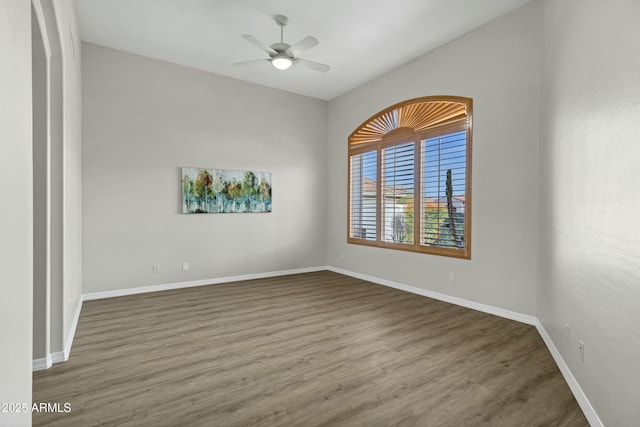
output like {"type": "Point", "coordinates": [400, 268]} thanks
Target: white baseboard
{"type": "Point", "coordinates": [42, 364]}
{"type": "Point", "coordinates": [72, 333]}
{"type": "Point", "coordinates": [519, 317]}
{"type": "Point", "coordinates": [60, 356]}
{"type": "Point", "coordinates": [577, 391]}
{"type": "Point", "coordinates": [581, 398]}
{"type": "Point", "coordinates": [63, 356]}
{"type": "Point", "coordinates": [193, 283]}
{"type": "Point", "coordinates": [584, 403]}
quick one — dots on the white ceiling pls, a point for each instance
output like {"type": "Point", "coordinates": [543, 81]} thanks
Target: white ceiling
{"type": "Point", "coordinates": [359, 39]}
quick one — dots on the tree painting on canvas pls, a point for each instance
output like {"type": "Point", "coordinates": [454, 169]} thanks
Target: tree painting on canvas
{"type": "Point", "coordinates": [225, 191]}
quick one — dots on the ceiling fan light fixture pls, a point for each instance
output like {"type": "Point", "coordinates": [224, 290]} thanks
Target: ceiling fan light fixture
{"type": "Point", "coordinates": [281, 62]}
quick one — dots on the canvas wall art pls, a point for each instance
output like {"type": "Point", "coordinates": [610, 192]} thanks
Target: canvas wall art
{"type": "Point", "coordinates": [225, 191]}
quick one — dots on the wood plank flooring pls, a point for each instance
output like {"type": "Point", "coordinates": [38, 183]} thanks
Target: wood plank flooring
{"type": "Point", "coordinates": [303, 350]}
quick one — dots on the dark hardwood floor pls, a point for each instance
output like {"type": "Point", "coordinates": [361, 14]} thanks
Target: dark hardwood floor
{"type": "Point", "coordinates": [303, 350]}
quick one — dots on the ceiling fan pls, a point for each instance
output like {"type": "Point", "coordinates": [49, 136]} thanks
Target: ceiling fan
{"type": "Point", "coordinates": [283, 55]}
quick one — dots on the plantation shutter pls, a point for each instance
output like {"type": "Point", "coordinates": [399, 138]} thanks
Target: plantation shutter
{"type": "Point", "coordinates": [397, 193]}
{"type": "Point", "coordinates": [363, 196]}
{"type": "Point", "coordinates": [443, 176]}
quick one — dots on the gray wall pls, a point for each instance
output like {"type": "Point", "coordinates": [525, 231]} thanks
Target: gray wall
{"type": "Point", "coordinates": [57, 196]}
{"type": "Point", "coordinates": [589, 271]}
{"type": "Point", "coordinates": [16, 219]}
{"type": "Point", "coordinates": [498, 66]}
{"type": "Point", "coordinates": [40, 208]}
{"type": "Point", "coordinates": [142, 120]}
{"type": "Point", "coordinates": [72, 170]}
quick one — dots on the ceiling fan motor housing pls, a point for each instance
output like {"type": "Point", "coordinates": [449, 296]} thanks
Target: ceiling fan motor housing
{"type": "Point", "coordinates": [281, 20]}
{"type": "Point", "coordinates": [282, 49]}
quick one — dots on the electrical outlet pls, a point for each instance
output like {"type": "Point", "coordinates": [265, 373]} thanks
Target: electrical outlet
{"type": "Point", "coordinates": [581, 348]}
{"type": "Point", "coordinates": [185, 266]}
{"type": "Point", "coordinates": [156, 269]}
{"type": "Point", "coordinates": [452, 277]}
{"type": "Point", "coordinates": [567, 332]}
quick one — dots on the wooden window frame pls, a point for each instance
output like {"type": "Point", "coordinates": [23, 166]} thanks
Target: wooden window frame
{"type": "Point", "coordinates": [404, 135]}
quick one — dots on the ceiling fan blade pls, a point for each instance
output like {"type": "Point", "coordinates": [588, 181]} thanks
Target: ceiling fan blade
{"type": "Point", "coordinates": [304, 44]}
{"type": "Point", "coordinates": [258, 43]}
{"type": "Point", "coordinates": [249, 63]}
{"type": "Point", "coordinates": [323, 68]}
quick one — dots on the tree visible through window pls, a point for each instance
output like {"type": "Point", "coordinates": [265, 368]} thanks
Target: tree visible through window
{"type": "Point", "coordinates": [410, 177]}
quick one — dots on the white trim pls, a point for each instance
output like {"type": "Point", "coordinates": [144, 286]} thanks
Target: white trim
{"type": "Point", "coordinates": [60, 356]}
{"type": "Point", "coordinates": [42, 364]}
{"type": "Point", "coordinates": [589, 412]}
{"type": "Point", "coordinates": [581, 398]}
{"type": "Point", "coordinates": [190, 284]}
{"type": "Point", "coordinates": [497, 311]}
{"type": "Point", "coordinates": [72, 333]}
{"type": "Point", "coordinates": [63, 356]}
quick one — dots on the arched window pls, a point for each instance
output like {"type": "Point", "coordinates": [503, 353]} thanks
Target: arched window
{"type": "Point", "coordinates": [410, 177]}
